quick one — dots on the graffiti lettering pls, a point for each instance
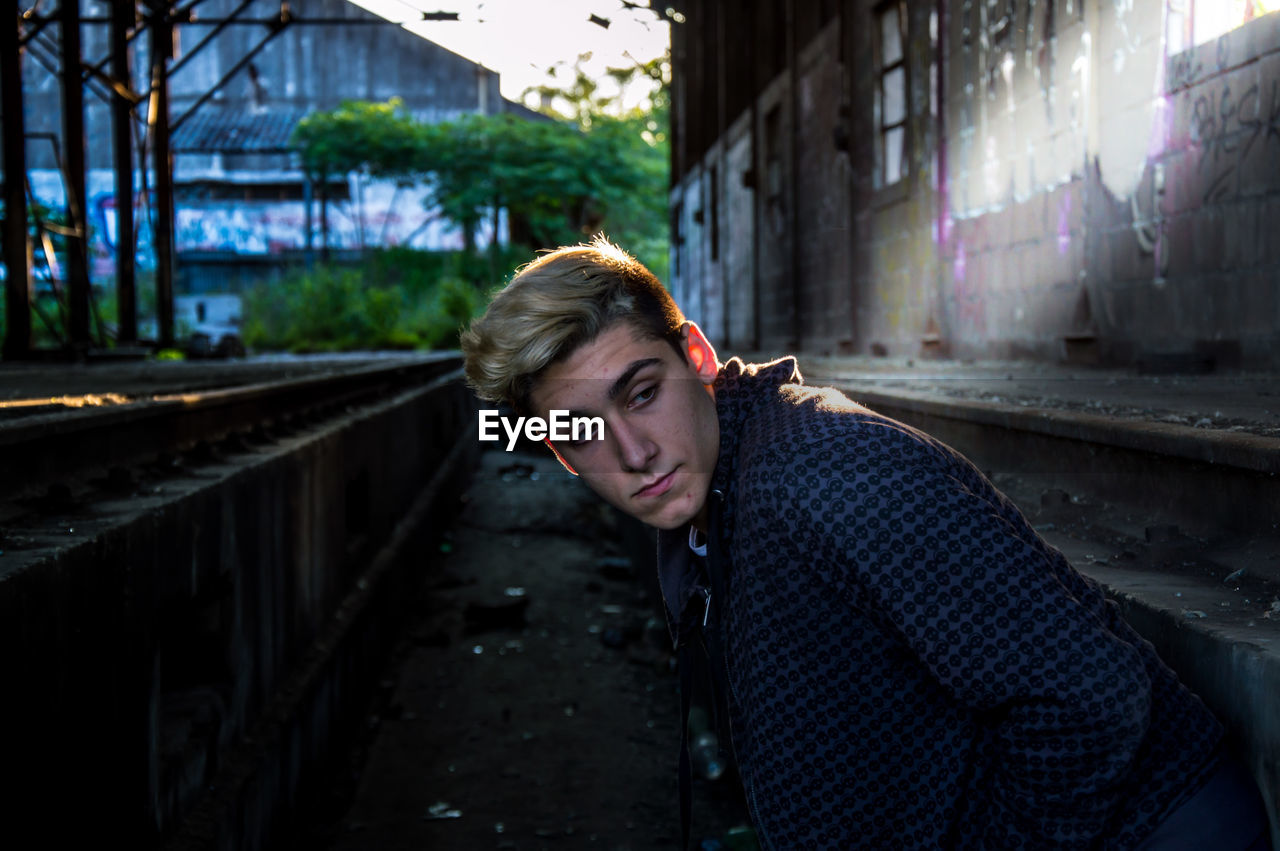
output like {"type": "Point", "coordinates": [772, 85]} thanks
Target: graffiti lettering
{"type": "Point", "coordinates": [1225, 128]}
{"type": "Point", "coordinates": [1184, 70]}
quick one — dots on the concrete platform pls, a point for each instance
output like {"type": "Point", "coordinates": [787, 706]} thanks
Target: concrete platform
{"type": "Point", "coordinates": [109, 383]}
{"type": "Point", "coordinates": [1231, 402]}
{"type": "Point", "coordinates": [188, 643]}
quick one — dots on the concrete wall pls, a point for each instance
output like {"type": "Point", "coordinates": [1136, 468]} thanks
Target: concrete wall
{"type": "Point", "coordinates": [1080, 180]}
{"type": "Point", "coordinates": [738, 236]}
{"type": "Point", "coordinates": [184, 660]}
{"type": "Point", "coordinates": [822, 220]}
{"type": "Point", "coordinates": [776, 201]}
{"type": "Point", "coordinates": [1184, 247]}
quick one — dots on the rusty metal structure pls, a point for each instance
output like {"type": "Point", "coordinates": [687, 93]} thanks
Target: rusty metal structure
{"type": "Point", "coordinates": [51, 36]}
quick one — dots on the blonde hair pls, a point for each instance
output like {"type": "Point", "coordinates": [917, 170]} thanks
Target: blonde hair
{"type": "Point", "coordinates": [554, 305]}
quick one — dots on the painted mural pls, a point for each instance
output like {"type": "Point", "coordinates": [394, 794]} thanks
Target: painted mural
{"type": "Point", "coordinates": [380, 214]}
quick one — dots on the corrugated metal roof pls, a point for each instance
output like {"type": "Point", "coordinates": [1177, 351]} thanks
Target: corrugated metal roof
{"type": "Point", "coordinates": [218, 131]}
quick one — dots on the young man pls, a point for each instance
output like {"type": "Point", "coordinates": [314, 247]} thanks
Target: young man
{"type": "Point", "coordinates": [907, 664]}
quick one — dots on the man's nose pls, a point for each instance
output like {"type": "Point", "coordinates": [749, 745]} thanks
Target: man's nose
{"type": "Point", "coordinates": [635, 449]}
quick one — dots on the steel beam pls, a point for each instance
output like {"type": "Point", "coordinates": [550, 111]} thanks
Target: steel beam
{"type": "Point", "coordinates": [195, 51]}
{"type": "Point", "coordinates": [17, 291]}
{"type": "Point", "coordinates": [162, 164]}
{"type": "Point", "coordinates": [122, 18]}
{"type": "Point", "coordinates": [275, 28]}
{"type": "Point", "coordinates": [74, 158]}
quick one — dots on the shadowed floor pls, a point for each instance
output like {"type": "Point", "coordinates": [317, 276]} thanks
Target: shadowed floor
{"type": "Point", "coordinates": [530, 706]}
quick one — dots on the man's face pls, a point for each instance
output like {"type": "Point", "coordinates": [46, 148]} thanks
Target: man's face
{"type": "Point", "coordinates": [661, 435]}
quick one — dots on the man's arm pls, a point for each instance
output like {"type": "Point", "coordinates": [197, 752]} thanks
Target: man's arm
{"type": "Point", "coordinates": [999, 619]}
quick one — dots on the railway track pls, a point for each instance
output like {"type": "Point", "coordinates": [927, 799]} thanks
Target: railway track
{"type": "Point", "coordinates": [55, 448]}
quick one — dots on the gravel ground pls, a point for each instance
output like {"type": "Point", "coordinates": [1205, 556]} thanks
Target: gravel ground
{"type": "Point", "coordinates": [530, 707]}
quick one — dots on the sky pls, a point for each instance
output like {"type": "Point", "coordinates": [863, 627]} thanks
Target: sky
{"type": "Point", "coordinates": [521, 39]}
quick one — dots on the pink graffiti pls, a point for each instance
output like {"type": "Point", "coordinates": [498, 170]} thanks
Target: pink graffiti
{"type": "Point", "coordinates": [1064, 223]}
{"type": "Point", "coordinates": [942, 228]}
{"type": "Point", "coordinates": [1161, 127]}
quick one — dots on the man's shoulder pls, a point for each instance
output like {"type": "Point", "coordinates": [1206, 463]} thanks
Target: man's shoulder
{"type": "Point", "coordinates": [803, 414]}
{"type": "Point", "coordinates": [820, 427]}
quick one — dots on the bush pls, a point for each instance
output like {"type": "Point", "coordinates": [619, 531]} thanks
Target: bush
{"type": "Point", "coordinates": [396, 299]}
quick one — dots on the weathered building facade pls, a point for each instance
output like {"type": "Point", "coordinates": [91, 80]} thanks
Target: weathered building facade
{"type": "Point", "coordinates": [240, 79]}
{"type": "Point", "coordinates": [1090, 179]}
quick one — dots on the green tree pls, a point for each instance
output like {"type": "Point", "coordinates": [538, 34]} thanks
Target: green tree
{"type": "Point", "coordinates": [546, 174]}
{"type": "Point", "coordinates": [594, 166]}
{"type": "Point", "coordinates": [634, 139]}
{"type": "Point", "coordinates": [378, 138]}
{"type": "Point", "coordinates": [374, 139]}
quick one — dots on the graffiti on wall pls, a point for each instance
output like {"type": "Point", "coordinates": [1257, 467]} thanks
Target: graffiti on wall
{"type": "Point", "coordinates": [386, 217]}
{"type": "Point", "coordinates": [1225, 127]}
{"type": "Point", "coordinates": [1185, 69]}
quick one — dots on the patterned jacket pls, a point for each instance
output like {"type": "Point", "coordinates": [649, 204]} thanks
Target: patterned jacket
{"type": "Point", "coordinates": [909, 665]}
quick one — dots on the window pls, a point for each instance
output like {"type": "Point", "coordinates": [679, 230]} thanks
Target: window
{"type": "Point", "coordinates": [1193, 22]}
{"type": "Point", "coordinates": [891, 93]}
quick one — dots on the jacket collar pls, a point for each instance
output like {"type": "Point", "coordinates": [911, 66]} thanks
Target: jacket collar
{"type": "Point", "coordinates": [739, 389]}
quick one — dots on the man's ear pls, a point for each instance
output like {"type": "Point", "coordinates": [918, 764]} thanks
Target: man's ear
{"type": "Point", "coordinates": [702, 357]}
{"type": "Point", "coordinates": [559, 457]}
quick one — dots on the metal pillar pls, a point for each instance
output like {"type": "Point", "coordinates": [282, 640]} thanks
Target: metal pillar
{"type": "Point", "coordinates": [17, 291]}
{"type": "Point", "coordinates": [793, 180]}
{"type": "Point", "coordinates": [162, 164]}
{"type": "Point", "coordinates": [122, 18]}
{"type": "Point", "coordinates": [74, 159]}
{"type": "Point", "coordinates": [309, 243]}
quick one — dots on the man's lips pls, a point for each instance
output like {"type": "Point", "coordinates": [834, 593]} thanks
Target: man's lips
{"type": "Point", "coordinates": [657, 488]}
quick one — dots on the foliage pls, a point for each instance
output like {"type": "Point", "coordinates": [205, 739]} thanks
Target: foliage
{"type": "Point", "coordinates": [546, 174]}
{"type": "Point", "coordinates": [638, 136]}
{"type": "Point", "coordinates": [378, 138]}
{"type": "Point", "coordinates": [397, 299]}
{"type": "Point", "coordinates": [593, 166]}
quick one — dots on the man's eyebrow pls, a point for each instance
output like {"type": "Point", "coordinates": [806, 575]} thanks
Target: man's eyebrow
{"type": "Point", "coordinates": [623, 380]}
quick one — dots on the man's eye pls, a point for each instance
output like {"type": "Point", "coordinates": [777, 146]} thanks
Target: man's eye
{"type": "Point", "coordinates": [645, 395]}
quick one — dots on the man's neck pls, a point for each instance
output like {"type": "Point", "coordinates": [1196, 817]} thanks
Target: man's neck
{"type": "Point", "coordinates": [699, 520]}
